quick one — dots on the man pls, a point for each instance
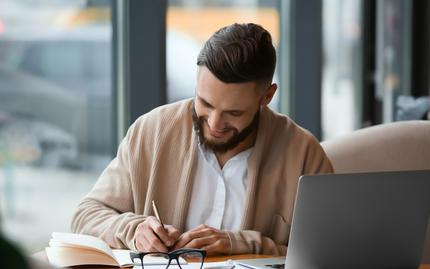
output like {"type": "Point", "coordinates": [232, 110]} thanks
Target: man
{"type": "Point", "coordinates": [222, 167]}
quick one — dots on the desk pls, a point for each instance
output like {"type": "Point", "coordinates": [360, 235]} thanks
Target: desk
{"type": "Point", "coordinates": [41, 255]}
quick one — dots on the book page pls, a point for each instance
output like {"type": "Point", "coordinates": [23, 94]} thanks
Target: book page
{"type": "Point", "coordinates": [123, 257]}
{"type": "Point", "coordinates": [80, 240]}
{"type": "Point", "coordinates": [71, 256]}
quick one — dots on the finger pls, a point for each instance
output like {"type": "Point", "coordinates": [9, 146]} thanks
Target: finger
{"type": "Point", "coordinates": [217, 248]}
{"type": "Point", "coordinates": [153, 243]}
{"type": "Point", "coordinates": [173, 233]}
{"type": "Point", "coordinates": [160, 231]}
{"type": "Point", "coordinates": [202, 232]}
{"type": "Point", "coordinates": [199, 228]}
{"type": "Point", "coordinates": [139, 239]}
{"type": "Point", "coordinates": [145, 237]}
{"type": "Point", "coordinates": [142, 244]}
{"type": "Point", "coordinates": [138, 244]}
{"type": "Point", "coordinates": [187, 237]}
{"type": "Point", "coordinates": [202, 226]}
{"type": "Point", "coordinates": [201, 242]}
{"type": "Point", "coordinates": [182, 241]}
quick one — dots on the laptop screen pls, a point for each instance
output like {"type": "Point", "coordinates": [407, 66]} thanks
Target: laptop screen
{"type": "Point", "coordinates": [362, 220]}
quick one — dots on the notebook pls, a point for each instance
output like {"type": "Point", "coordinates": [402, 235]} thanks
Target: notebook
{"type": "Point", "coordinates": [360, 220]}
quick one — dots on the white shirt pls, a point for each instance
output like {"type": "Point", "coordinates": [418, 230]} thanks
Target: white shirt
{"type": "Point", "coordinates": [218, 195]}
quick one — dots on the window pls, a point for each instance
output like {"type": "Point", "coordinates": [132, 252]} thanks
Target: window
{"type": "Point", "coordinates": [55, 112]}
{"type": "Point", "coordinates": [342, 67]}
{"type": "Point", "coordinates": [191, 23]}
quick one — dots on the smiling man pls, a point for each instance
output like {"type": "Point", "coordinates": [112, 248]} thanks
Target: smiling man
{"type": "Point", "coordinates": [222, 167]}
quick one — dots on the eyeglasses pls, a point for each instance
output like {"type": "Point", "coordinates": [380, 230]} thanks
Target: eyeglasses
{"type": "Point", "coordinates": [190, 255]}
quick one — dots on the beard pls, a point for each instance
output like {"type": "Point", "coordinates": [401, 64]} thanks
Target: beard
{"type": "Point", "coordinates": [231, 143]}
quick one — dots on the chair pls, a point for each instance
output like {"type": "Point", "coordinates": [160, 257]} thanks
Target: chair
{"type": "Point", "coordinates": [394, 146]}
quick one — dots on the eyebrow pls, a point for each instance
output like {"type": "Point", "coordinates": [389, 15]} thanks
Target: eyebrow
{"type": "Point", "coordinates": [206, 103]}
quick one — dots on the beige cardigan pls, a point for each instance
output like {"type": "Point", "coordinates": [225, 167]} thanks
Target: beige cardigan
{"type": "Point", "coordinates": [156, 161]}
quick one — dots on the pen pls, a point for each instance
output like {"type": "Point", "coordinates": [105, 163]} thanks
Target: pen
{"type": "Point", "coordinates": [157, 215]}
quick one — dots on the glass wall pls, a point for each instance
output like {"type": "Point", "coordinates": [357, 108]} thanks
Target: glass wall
{"type": "Point", "coordinates": [342, 67]}
{"type": "Point", "coordinates": [394, 54]}
{"type": "Point", "coordinates": [190, 23]}
{"type": "Point", "coordinates": [55, 112]}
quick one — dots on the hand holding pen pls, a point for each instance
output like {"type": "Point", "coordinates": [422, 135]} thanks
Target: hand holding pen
{"type": "Point", "coordinates": [157, 215]}
{"type": "Point", "coordinates": [153, 235]}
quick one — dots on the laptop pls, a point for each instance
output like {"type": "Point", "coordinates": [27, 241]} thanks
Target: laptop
{"type": "Point", "coordinates": [266, 263]}
{"type": "Point", "coordinates": [360, 220]}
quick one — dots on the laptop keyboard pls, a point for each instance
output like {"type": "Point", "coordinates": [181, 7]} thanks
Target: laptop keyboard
{"type": "Point", "coordinates": [276, 266]}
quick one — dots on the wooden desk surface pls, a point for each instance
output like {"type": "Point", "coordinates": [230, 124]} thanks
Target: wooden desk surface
{"type": "Point", "coordinates": [41, 255]}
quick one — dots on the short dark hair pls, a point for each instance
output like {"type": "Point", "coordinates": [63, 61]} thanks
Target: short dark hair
{"type": "Point", "coordinates": [240, 53]}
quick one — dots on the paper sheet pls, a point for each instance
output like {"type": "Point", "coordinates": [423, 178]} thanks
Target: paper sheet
{"type": "Point", "coordinates": [207, 265]}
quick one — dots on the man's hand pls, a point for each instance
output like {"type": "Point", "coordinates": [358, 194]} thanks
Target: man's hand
{"type": "Point", "coordinates": [212, 240]}
{"type": "Point", "coordinates": [151, 236]}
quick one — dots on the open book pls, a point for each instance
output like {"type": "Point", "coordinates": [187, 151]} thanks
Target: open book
{"type": "Point", "coordinates": [68, 249]}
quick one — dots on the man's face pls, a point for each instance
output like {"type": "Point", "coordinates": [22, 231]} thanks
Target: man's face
{"type": "Point", "coordinates": [225, 113]}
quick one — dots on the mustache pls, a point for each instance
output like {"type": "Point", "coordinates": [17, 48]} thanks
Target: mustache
{"type": "Point", "coordinates": [204, 119]}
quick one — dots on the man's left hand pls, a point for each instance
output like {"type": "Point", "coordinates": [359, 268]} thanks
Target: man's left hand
{"type": "Point", "coordinates": [214, 241]}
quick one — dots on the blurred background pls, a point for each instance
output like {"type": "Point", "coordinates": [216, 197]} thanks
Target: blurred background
{"type": "Point", "coordinates": [75, 74]}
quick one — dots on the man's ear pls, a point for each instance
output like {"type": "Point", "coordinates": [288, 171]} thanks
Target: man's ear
{"type": "Point", "coordinates": [268, 94]}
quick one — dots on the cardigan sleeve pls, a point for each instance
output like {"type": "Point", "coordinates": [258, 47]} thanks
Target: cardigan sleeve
{"type": "Point", "coordinates": [108, 210]}
{"type": "Point", "coordinates": [247, 241]}
{"type": "Point", "coordinates": [316, 160]}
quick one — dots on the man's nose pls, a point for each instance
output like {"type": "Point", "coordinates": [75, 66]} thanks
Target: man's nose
{"type": "Point", "coordinates": [215, 121]}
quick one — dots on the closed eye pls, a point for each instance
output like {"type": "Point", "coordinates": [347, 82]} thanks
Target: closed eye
{"type": "Point", "coordinates": [235, 113]}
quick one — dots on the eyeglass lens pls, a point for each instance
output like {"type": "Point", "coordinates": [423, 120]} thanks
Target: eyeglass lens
{"type": "Point", "coordinates": [187, 257]}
